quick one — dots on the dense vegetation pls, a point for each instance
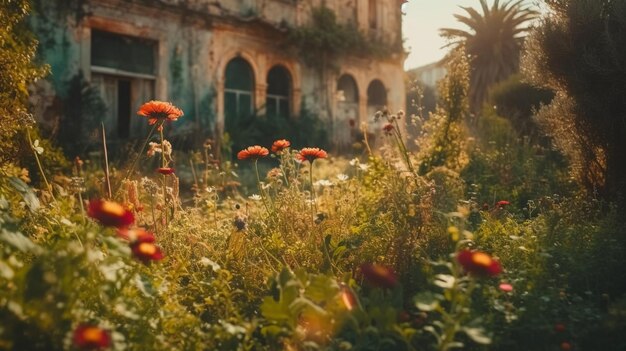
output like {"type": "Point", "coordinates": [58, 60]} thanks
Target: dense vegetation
{"type": "Point", "coordinates": [478, 239]}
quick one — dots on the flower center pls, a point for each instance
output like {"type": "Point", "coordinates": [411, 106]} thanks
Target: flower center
{"type": "Point", "coordinates": [147, 249]}
{"type": "Point", "coordinates": [481, 259]}
{"type": "Point", "coordinates": [380, 270]}
{"type": "Point", "coordinates": [92, 334]}
{"type": "Point", "coordinates": [113, 208]}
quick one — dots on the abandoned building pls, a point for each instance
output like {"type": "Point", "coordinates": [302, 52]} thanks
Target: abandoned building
{"type": "Point", "coordinates": [217, 60]}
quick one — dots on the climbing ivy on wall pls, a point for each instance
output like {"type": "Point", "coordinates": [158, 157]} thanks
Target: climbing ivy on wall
{"type": "Point", "coordinates": [328, 39]}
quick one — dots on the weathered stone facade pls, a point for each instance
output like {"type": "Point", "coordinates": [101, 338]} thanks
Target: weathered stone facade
{"type": "Point", "coordinates": [183, 50]}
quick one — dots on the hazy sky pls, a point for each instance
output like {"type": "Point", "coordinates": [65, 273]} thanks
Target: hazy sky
{"type": "Point", "coordinates": [421, 27]}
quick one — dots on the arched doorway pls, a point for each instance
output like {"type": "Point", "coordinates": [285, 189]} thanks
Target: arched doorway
{"type": "Point", "coordinates": [376, 101]}
{"type": "Point", "coordinates": [347, 115]}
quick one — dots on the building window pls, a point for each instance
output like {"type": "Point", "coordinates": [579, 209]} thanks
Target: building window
{"type": "Point", "coordinates": [373, 14]}
{"type": "Point", "coordinates": [238, 90]}
{"type": "Point", "coordinates": [347, 110]}
{"type": "Point", "coordinates": [122, 69]}
{"type": "Point", "coordinates": [376, 101]}
{"type": "Point", "coordinates": [376, 94]}
{"type": "Point", "coordinates": [278, 91]}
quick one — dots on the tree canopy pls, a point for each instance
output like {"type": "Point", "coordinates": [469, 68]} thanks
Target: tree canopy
{"type": "Point", "coordinates": [492, 41]}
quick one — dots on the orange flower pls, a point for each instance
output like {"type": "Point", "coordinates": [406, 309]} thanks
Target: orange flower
{"type": "Point", "coordinates": [311, 154]}
{"type": "Point", "coordinates": [165, 170]}
{"type": "Point", "coordinates": [109, 213]}
{"type": "Point", "coordinates": [144, 249]}
{"type": "Point", "coordinates": [280, 145]}
{"type": "Point", "coordinates": [159, 110]}
{"type": "Point", "coordinates": [253, 152]}
{"type": "Point", "coordinates": [379, 276]}
{"type": "Point", "coordinates": [479, 263]}
{"type": "Point", "coordinates": [90, 337]}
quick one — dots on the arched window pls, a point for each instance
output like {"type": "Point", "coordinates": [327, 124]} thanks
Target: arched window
{"type": "Point", "coordinates": [278, 92]}
{"type": "Point", "coordinates": [347, 91]}
{"type": "Point", "coordinates": [376, 95]}
{"type": "Point", "coordinates": [238, 89]}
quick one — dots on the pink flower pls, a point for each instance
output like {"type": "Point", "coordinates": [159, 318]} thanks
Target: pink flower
{"type": "Point", "coordinates": [506, 287]}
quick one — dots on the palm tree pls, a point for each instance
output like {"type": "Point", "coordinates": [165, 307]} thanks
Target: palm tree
{"type": "Point", "coordinates": [493, 43]}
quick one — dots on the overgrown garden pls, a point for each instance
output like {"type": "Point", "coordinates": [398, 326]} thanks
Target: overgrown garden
{"type": "Point", "coordinates": [478, 233]}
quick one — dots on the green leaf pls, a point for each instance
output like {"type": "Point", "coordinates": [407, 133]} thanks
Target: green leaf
{"type": "Point", "coordinates": [322, 288]}
{"type": "Point", "coordinates": [19, 241]}
{"type": "Point", "coordinates": [339, 251]}
{"type": "Point", "coordinates": [144, 285]}
{"type": "Point", "coordinates": [304, 305]}
{"type": "Point", "coordinates": [477, 334]}
{"type": "Point", "coordinates": [27, 193]}
{"type": "Point", "coordinates": [444, 281]}
{"type": "Point", "coordinates": [430, 329]}
{"type": "Point", "coordinates": [274, 311]}
{"type": "Point", "coordinates": [426, 301]}
{"type": "Point", "coordinates": [6, 271]}
{"type": "Point", "coordinates": [285, 276]}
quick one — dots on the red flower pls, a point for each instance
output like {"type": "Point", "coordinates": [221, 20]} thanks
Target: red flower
{"type": "Point", "coordinates": [90, 337]}
{"type": "Point", "coordinates": [387, 128]}
{"type": "Point", "coordinates": [109, 213]}
{"type": "Point", "coordinates": [311, 154]}
{"type": "Point", "coordinates": [253, 152]}
{"type": "Point", "coordinates": [166, 170]}
{"type": "Point", "coordinates": [159, 110]}
{"type": "Point", "coordinates": [478, 263]}
{"type": "Point", "coordinates": [280, 145]}
{"type": "Point", "coordinates": [144, 249]}
{"type": "Point", "coordinates": [559, 328]}
{"type": "Point", "coordinates": [502, 203]}
{"type": "Point", "coordinates": [379, 276]}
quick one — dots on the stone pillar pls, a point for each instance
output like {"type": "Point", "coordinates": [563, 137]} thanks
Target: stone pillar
{"type": "Point", "coordinates": [363, 116]}
{"type": "Point", "coordinates": [260, 95]}
{"type": "Point", "coordinates": [84, 42]}
{"type": "Point", "coordinates": [219, 121]}
{"type": "Point", "coordinates": [296, 102]}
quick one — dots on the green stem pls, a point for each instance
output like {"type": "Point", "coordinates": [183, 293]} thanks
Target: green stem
{"type": "Point", "coordinates": [132, 166]}
{"type": "Point", "coordinates": [43, 175]}
{"type": "Point", "coordinates": [258, 183]}
{"type": "Point", "coordinates": [282, 169]}
{"type": "Point", "coordinates": [312, 197]}
{"type": "Point", "coordinates": [164, 176]}
{"type": "Point", "coordinates": [82, 207]}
